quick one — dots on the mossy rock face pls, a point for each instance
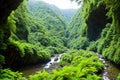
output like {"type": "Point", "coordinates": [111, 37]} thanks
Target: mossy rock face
{"type": "Point", "coordinates": [6, 6]}
{"type": "Point", "coordinates": [96, 22]}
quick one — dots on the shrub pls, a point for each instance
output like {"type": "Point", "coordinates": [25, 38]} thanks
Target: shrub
{"type": "Point", "coordinates": [83, 65]}
{"type": "Point", "coordinates": [7, 74]}
{"type": "Point", "coordinates": [92, 46]}
{"type": "Point", "coordinates": [40, 76]}
{"type": "Point", "coordinates": [2, 60]}
{"type": "Point", "coordinates": [118, 77]}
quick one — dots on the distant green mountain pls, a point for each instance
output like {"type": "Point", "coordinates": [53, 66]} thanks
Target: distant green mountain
{"type": "Point", "coordinates": [49, 14]}
{"type": "Point", "coordinates": [68, 13]}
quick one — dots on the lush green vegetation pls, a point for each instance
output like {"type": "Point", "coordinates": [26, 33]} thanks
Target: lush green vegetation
{"type": "Point", "coordinates": [118, 78]}
{"type": "Point", "coordinates": [35, 31]}
{"type": "Point", "coordinates": [7, 74]}
{"type": "Point", "coordinates": [28, 39]}
{"type": "Point", "coordinates": [99, 33]}
{"type": "Point", "coordinates": [75, 29]}
{"type": "Point", "coordinates": [34, 38]}
{"type": "Point", "coordinates": [77, 65]}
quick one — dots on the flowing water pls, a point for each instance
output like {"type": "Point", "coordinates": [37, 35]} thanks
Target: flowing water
{"type": "Point", "coordinates": [47, 66]}
{"type": "Point", "coordinates": [54, 59]}
{"type": "Point", "coordinates": [110, 71]}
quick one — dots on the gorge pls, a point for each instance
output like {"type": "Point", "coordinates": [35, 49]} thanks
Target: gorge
{"type": "Point", "coordinates": [32, 32]}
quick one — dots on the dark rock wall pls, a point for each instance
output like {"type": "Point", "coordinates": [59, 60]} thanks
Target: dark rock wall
{"type": "Point", "coordinates": [6, 6]}
{"type": "Point", "coordinates": [96, 22]}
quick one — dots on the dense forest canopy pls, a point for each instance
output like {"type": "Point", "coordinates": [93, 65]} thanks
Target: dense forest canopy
{"type": "Point", "coordinates": [32, 32]}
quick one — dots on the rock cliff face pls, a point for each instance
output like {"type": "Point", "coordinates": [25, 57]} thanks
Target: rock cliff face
{"type": "Point", "coordinates": [102, 26]}
{"type": "Point", "coordinates": [6, 6]}
{"type": "Point", "coordinates": [96, 22]}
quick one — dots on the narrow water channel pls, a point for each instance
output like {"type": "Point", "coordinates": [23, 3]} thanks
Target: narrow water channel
{"type": "Point", "coordinates": [110, 71]}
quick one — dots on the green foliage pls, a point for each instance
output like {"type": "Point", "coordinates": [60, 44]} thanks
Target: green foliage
{"type": "Point", "coordinates": [22, 21]}
{"type": "Point", "coordinates": [79, 43]}
{"type": "Point", "coordinates": [118, 77]}
{"type": "Point", "coordinates": [6, 31]}
{"type": "Point", "coordinates": [44, 29]}
{"type": "Point", "coordinates": [2, 60]}
{"type": "Point", "coordinates": [108, 43]}
{"type": "Point", "coordinates": [2, 38]}
{"type": "Point", "coordinates": [83, 65]}
{"type": "Point", "coordinates": [112, 52]}
{"type": "Point", "coordinates": [40, 76]}
{"type": "Point", "coordinates": [11, 22]}
{"type": "Point", "coordinates": [78, 55]}
{"type": "Point", "coordinates": [106, 37]}
{"type": "Point", "coordinates": [27, 38]}
{"type": "Point", "coordinates": [76, 32]}
{"type": "Point", "coordinates": [92, 46]}
{"type": "Point", "coordinates": [50, 16]}
{"type": "Point", "coordinates": [39, 31]}
{"type": "Point", "coordinates": [20, 46]}
{"type": "Point", "coordinates": [7, 74]}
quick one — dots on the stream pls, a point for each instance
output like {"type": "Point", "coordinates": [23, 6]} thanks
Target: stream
{"type": "Point", "coordinates": [110, 71]}
{"type": "Point", "coordinates": [52, 64]}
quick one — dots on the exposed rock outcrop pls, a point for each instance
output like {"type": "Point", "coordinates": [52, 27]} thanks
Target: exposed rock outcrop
{"type": "Point", "coordinates": [6, 6]}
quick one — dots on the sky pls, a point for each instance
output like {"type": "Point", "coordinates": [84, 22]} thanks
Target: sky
{"type": "Point", "coordinates": [63, 4]}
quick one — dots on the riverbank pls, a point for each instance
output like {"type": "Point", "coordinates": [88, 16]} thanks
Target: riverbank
{"type": "Point", "coordinates": [52, 64]}
{"type": "Point", "coordinates": [109, 72]}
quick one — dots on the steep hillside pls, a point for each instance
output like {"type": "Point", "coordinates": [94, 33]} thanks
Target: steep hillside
{"type": "Point", "coordinates": [33, 38]}
{"type": "Point", "coordinates": [68, 13]}
{"type": "Point", "coordinates": [98, 29]}
{"type": "Point", "coordinates": [51, 17]}
{"type": "Point", "coordinates": [76, 32]}
{"type": "Point", "coordinates": [4, 26]}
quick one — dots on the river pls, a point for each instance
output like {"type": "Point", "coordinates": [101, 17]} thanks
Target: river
{"type": "Point", "coordinates": [110, 71]}
{"type": "Point", "coordinates": [52, 64]}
